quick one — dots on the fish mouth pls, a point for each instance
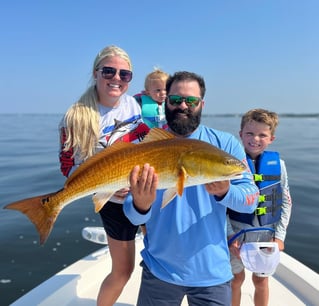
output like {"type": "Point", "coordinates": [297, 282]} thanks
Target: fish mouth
{"type": "Point", "coordinates": [230, 177]}
{"type": "Point", "coordinates": [237, 176]}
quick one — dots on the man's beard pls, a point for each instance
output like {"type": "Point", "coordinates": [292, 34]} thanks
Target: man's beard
{"type": "Point", "coordinates": [183, 125]}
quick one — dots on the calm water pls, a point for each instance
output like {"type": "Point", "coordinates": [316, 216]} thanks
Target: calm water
{"type": "Point", "coordinates": [29, 166]}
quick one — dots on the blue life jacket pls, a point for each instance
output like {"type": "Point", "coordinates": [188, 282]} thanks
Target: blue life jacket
{"type": "Point", "coordinates": [267, 177]}
{"type": "Point", "coordinates": [153, 114]}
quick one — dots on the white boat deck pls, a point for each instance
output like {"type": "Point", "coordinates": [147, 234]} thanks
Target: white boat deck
{"type": "Point", "coordinates": [79, 284]}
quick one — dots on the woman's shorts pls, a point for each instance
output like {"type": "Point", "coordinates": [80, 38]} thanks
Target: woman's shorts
{"type": "Point", "coordinates": [116, 224]}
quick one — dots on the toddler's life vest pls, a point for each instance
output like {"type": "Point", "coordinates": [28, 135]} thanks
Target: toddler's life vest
{"type": "Point", "coordinates": [267, 177]}
{"type": "Point", "coordinates": [153, 114]}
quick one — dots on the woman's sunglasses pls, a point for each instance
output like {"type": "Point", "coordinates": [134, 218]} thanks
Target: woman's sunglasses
{"type": "Point", "coordinates": [109, 73]}
{"type": "Point", "coordinates": [190, 101]}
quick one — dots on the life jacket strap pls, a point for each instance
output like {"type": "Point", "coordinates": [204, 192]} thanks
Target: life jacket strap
{"type": "Point", "coordinates": [268, 197]}
{"type": "Point", "coordinates": [265, 210]}
{"type": "Point", "coordinates": [263, 177]}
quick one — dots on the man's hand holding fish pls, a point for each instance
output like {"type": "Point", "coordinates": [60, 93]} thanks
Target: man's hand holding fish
{"type": "Point", "coordinates": [143, 186]}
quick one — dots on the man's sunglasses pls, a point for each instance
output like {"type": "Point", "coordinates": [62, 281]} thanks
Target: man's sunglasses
{"type": "Point", "coordinates": [109, 73]}
{"type": "Point", "coordinates": [190, 101]}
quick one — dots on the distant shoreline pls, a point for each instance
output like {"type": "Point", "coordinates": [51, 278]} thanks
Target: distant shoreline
{"type": "Point", "coordinates": [311, 115]}
{"type": "Point", "coordinates": [290, 115]}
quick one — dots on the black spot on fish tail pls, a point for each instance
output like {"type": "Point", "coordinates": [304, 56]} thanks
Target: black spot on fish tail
{"type": "Point", "coordinates": [46, 199]}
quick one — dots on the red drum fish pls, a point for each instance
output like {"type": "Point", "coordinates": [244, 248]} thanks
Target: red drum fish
{"type": "Point", "coordinates": [178, 162]}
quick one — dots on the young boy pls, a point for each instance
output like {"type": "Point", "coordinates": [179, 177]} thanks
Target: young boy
{"type": "Point", "coordinates": [257, 133]}
{"type": "Point", "coordinates": [152, 99]}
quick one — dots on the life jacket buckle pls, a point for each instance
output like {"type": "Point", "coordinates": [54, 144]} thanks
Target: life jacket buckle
{"type": "Point", "coordinates": [262, 198]}
{"type": "Point", "coordinates": [261, 211]}
{"type": "Point", "coordinates": [258, 177]}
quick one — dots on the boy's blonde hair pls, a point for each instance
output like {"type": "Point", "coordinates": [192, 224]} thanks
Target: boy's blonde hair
{"type": "Point", "coordinates": [82, 118]}
{"type": "Point", "coordinates": [157, 74]}
{"type": "Point", "coordinates": [262, 116]}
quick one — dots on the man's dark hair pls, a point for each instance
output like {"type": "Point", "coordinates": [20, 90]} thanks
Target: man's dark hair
{"type": "Point", "coordinates": [186, 76]}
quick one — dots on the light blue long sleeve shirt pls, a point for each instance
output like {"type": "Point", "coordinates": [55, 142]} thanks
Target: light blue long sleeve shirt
{"type": "Point", "coordinates": [186, 241]}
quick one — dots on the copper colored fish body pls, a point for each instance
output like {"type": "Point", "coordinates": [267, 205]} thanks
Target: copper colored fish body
{"type": "Point", "coordinates": [178, 162]}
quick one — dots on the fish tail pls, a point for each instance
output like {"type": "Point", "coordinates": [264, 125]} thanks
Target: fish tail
{"type": "Point", "coordinates": [42, 212]}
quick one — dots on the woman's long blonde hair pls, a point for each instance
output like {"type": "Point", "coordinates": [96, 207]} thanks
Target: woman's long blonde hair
{"type": "Point", "coordinates": [82, 119]}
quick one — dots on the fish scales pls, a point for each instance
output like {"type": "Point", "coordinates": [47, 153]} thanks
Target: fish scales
{"type": "Point", "coordinates": [178, 162]}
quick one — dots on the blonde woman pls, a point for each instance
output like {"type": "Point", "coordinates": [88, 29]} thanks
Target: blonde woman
{"type": "Point", "coordinates": [104, 114]}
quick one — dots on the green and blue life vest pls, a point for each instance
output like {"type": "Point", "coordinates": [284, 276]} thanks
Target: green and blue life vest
{"type": "Point", "coordinates": [267, 176]}
{"type": "Point", "coordinates": [153, 114]}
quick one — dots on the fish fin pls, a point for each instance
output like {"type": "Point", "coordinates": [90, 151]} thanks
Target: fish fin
{"type": "Point", "coordinates": [117, 146]}
{"type": "Point", "coordinates": [182, 177]}
{"type": "Point", "coordinates": [168, 196]}
{"type": "Point", "coordinates": [156, 134]}
{"type": "Point", "coordinates": [100, 198]}
{"type": "Point", "coordinates": [171, 193]}
{"type": "Point", "coordinates": [42, 212]}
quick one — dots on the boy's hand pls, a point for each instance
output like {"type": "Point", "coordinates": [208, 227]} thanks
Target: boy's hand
{"type": "Point", "coordinates": [281, 244]}
{"type": "Point", "coordinates": [234, 248]}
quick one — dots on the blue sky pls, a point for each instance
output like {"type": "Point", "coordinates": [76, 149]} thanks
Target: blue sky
{"type": "Point", "coordinates": [252, 53]}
